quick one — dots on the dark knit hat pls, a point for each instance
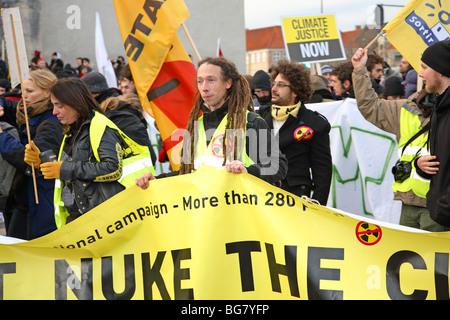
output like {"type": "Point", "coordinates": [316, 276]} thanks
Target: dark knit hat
{"type": "Point", "coordinates": [437, 57]}
{"type": "Point", "coordinates": [393, 87]}
{"type": "Point", "coordinates": [261, 80]}
{"type": "Point", "coordinates": [95, 81]}
{"type": "Point", "coordinates": [4, 83]}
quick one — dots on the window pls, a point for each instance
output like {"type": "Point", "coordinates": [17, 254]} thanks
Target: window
{"type": "Point", "coordinates": [276, 56]}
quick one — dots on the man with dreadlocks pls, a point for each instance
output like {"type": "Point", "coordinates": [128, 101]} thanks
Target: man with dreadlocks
{"type": "Point", "coordinates": [223, 120]}
{"type": "Point", "coordinates": [303, 134]}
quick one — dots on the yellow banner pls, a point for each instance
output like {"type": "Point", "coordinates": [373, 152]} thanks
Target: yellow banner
{"type": "Point", "coordinates": [417, 26]}
{"type": "Point", "coordinates": [224, 236]}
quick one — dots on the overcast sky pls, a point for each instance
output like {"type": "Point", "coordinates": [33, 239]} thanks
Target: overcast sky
{"type": "Point", "coordinates": [348, 13]}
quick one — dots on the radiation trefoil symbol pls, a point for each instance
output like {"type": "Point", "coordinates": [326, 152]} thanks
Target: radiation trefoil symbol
{"type": "Point", "coordinates": [368, 234]}
{"type": "Point", "coordinates": [303, 133]}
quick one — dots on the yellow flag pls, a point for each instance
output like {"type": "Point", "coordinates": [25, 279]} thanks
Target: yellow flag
{"type": "Point", "coordinates": [162, 70]}
{"type": "Point", "coordinates": [417, 26]}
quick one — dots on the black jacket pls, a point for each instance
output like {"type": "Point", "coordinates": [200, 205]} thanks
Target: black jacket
{"type": "Point", "coordinates": [438, 197]}
{"type": "Point", "coordinates": [306, 154]}
{"type": "Point", "coordinates": [128, 119]}
{"type": "Point", "coordinates": [93, 182]}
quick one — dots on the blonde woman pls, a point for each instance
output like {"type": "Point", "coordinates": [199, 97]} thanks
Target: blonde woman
{"type": "Point", "coordinates": [30, 219]}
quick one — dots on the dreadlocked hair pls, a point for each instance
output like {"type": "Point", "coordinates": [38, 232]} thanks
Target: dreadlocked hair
{"type": "Point", "coordinates": [239, 100]}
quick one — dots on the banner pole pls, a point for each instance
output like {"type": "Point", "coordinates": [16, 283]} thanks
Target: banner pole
{"type": "Point", "coordinates": [24, 106]}
{"type": "Point", "coordinates": [372, 42]}
{"type": "Point", "coordinates": [188, 35]}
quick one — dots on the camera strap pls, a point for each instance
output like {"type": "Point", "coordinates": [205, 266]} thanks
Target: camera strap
{"type": "Point", "coordinates": [425, 128]}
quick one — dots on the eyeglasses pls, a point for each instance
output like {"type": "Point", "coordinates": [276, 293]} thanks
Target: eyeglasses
{"type": "Point", "coordinates": [280, 85]}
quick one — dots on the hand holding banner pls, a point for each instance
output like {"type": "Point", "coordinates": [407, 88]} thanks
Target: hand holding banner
{"type": "Point", "coordinates": [241, 238]}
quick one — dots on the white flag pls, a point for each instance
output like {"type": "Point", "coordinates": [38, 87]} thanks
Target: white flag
{"type": "Point", "coordinates": [219, 48]}
{"type": "Point", "coordinates": [104, 64]}
{"type": "Point", "coordinates": [15, 46]}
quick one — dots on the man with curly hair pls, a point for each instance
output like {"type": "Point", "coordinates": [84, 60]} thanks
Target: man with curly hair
{"type": "Point", "coordinates": [303, 134]}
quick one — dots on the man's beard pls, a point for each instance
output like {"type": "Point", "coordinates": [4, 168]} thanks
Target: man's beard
{"type": "Point", "coordinates": [265, 99]}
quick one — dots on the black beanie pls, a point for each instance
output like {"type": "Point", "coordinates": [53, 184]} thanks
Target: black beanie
{"type": "Point", "coordinates": [393, 87]}
{"type": "Point", "coordinates": [95, 81]}
{"type": "Point", "coordinates": [261, 80]}
{"type": "Point", "coordinates": [437, 57]}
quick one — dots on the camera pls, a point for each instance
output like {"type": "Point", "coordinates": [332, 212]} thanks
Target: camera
{"type": "Point", "coordinates": [401, 170]}
{"type": "Point", "coordinates": [48, 156]}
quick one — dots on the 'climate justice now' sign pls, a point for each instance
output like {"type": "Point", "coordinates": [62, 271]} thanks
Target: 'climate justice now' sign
{"type": "Point", "coordinates": [312, 39]}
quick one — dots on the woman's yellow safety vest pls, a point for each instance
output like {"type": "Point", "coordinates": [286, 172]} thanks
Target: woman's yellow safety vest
{"type": "Point", "coordinates": [212, 155]}
{"type": "Point", "coordinates": [409, 125]}
{"type": "Point", "coordinates": [132, 166]}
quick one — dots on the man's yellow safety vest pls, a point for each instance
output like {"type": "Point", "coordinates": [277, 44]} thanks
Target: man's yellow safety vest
{"type": "Point", "coordinates": [409, 125]}
{"type": "Point", "coordinates": [133, 166]}
{"type": "Point", "coordinates": [212, 155]}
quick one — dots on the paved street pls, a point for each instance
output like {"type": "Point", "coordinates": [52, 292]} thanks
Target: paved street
{"type": "Point", "coordinates": [2, 228]}
{"type": "Point", "coordinates": [2, 225]}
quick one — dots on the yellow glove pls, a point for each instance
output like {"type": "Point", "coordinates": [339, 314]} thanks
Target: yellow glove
{"type": "Point", "coordinates": [51, 170]}
{"type": "Point", "coordinates": [32, 155]}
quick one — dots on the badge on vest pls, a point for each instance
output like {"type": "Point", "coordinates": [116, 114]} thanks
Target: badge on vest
{"type": "Point", "coordinates": [303, 133]}
{"type": "Point", "coordinates": [217, 146]}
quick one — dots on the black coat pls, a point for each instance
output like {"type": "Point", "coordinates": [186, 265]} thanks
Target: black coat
{"type": "Point", "coordinates": [308, 155]}
{"type": "Point", "coordinates": [93, 182]}
{"type": "Point", "coordinates": [438, 197]}
{"type": "Point", "coordinates": [128, 119]}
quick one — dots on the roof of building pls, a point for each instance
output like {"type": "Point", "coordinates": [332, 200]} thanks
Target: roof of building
{"type": "Point", "coordinates": [348, 38]}
{"type": "Point", "coordinates": [265, 38]}
{"type": "Point", "coordinates": [272, 38]}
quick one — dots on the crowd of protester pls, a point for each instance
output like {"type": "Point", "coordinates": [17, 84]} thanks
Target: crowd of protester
{"type": "Point", "coordinates": [80, 132]}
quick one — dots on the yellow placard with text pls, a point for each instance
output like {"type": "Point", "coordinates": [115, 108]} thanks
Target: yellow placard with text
{"type": "Point", "coordinates": [311, 28]}
{"type": "Point", "coordinates": [219, 235]}
{"type": "Point", "coordinates": [312, 39]}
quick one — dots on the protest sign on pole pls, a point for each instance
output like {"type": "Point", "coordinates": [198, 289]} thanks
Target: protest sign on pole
{"type": "Point", "coordinates": [18, 62]}
{"type": "Point", "coordinates": [312, 39]}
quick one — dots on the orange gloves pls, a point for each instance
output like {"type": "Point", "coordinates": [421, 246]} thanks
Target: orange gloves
{"type": "Point", "coordinates": [51, 170]}
{"type": "Point", "coordinates": [32, 155]}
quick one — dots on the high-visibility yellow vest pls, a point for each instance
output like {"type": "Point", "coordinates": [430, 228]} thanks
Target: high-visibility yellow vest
{"type": "Point", "coordinates": [212, 155]}
{"type": "Point", "coordinates": [136, 160]}
{"type": "Point", "coordinates": [409, 125]}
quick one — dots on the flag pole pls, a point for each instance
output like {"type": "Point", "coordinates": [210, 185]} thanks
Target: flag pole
{"type": "Point", "coordinates": [373, 41]}
{"type": "Point", "coordinates": [197, 54]}
{"type": "Point", "coordinates": [24, 106]}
